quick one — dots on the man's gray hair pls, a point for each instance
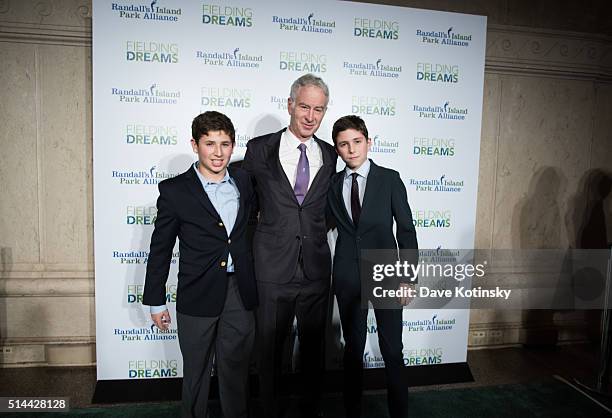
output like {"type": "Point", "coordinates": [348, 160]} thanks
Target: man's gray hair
{"type": "Point", "coordinates": [308, 80]}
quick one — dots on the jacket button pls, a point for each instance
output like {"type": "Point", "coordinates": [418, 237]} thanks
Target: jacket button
{"type": "Point", "coordinates": [223, 263]}
{"type": "Point", "coordinates": [220, 224]}
{"type": "Point", "coordinates": [229, 241]}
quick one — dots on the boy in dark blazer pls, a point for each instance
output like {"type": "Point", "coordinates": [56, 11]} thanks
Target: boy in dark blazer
{"type": "Point", "coordinates": [207, 208]}
{"type": "Point", "coordinates": [365, 199]}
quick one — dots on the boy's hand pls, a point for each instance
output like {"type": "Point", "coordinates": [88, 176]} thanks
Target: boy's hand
{"type": "Point", "coordinates": [162, 320]}
{"type": "Point", "coordinates": [404, 288]}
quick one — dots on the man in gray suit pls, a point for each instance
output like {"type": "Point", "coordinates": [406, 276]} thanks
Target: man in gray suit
{"type": "Point", "coordinates": [291, 170]}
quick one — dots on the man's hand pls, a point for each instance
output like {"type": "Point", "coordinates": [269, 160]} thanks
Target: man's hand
{"type": "Point", "coordinates": [162, 319]}
{"type": "Point", "coordinates": [404, 287]}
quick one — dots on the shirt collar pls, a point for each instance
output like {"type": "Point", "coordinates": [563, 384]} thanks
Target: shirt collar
{"type": "Point", "coordinates": [207, 181]}
{"type": "Point", "coordinates": [294, 142]}
{"type": "Point", "coordinates": [363, 171]}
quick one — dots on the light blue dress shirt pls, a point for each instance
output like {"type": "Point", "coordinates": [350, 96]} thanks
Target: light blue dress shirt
{"type": "Point", "coordinates": [225, 198]}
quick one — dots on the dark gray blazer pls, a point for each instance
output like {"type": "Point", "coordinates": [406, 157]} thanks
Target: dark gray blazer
{"type": "Point", "coordinates": [287, 231]}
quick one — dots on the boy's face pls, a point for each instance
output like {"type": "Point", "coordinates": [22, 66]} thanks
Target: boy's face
{"type": "Point", "coordinates": [352, 147]}
{"type": "Point", "coordinates": [214, 151]}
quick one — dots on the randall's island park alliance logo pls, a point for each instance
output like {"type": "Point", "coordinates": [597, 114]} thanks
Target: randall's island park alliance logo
{"type": "Point", "coordinates": [383, 146]}
{"type": "Point", "coordinates": [242, 139]}
{"type": "Point", "coordinates": [151, 333]}
{"type": "Point", "coordinates": [147, 11]}
{"type": "Point", "coordinates": [153, 94]}
{"type": "Point", "coordinates": [373, 105]}
{"type": "Point", "coordinates": [448, 37]}
{"type": "Point", "coordinates": [372, 361]}
{"type": "Point", "coordinates": [439, 255]}
{"type": "Point", "coordinates": [378, 68]}
{"type": "Point", "coordinates": [445, 111]}
{"type": "Point", "coordinates": [433, 324]}
{"type": "Point", "coordinates": [375, 28]}
{"type": "Point", "coordinates": [137, 257]}
{"type": "Point", "coordinates": [225, 97]}
{"type": "Point", "coordinates": [310, 23]}
{"type": "Point", "coordinates": [439, 184]}
{"type": "Point", "coordinates": [279, 102]}
{"type": "Point", "coordinates": [150, 51]}
{"type": "Point", "coordinates": [151, 175]}
{"type": "Point", "coordinates": [213, 14]}
{"type": "Point", "coordinates": [230, 59]}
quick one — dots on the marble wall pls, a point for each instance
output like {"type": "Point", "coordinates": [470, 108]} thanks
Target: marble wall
{"type": "Point", "coordinates": [546, 133]}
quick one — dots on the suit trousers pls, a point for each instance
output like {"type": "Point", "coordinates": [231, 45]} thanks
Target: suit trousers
{"type": "Point", "coordinates": [229, 337]}
{"type": "Point", "coordinates": [306, 300]}
{"type": "Point", "coordinates": [389, 329]}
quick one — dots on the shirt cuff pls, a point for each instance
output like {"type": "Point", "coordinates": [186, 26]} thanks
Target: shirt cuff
{"type": "Point", "coordinates": [157, 309]}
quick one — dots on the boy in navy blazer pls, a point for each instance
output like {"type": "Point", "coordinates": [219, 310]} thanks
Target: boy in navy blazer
{"type": "Point", "coordinates": [365, 199]}
{"type": "Point", "coordinates": [207, 208]}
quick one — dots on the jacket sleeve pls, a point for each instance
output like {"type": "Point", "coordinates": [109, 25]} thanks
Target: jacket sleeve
{"type": "Point", "coordinates": [405, 232]}
{"type": "Point", "coordinates": [160, 254]}
{"type": "Point", "coordinates": [248, 164]}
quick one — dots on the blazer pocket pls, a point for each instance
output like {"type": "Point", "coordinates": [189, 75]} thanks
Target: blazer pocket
{"type": "Point", "coordinates": [267, 236]}
{"type": "Point", "coordinates": [264, 231]}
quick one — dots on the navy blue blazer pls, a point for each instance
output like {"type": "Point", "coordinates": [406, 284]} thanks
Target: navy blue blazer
{"type": "Point", "coordinates": [385, 200]}
{"type": "Point", "coordinates": [185, 211]}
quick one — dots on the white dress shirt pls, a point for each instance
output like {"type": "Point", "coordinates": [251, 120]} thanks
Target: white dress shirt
{"type": "Point", "coordinates": [362, 180]}
{"type": "Point", "coordinates": [289, 155]}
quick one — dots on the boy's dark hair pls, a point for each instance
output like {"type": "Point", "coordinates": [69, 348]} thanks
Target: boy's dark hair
{"type": "Point", "coordinates": [212, 121]}
{"type": "Point", "coordinates": [349, 122]}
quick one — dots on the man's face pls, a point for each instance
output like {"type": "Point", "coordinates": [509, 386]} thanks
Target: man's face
{"type": "Point", "coordinates": [214, 151]}
{"type": "Point", "coordinates": [307, 111]}
{"type": "Point", "coordinates": [352, 147]}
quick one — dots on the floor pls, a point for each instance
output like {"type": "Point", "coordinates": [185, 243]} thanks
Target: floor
{"type": "Point", "coordinates": [489, 367]}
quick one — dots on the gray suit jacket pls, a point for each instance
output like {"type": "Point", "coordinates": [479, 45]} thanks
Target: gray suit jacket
{"type": "Point", "coordinates": [287, 231]}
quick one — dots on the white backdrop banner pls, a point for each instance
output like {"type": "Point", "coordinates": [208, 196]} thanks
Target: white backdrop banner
{"type": "Point", "coordinates": [414, 76]}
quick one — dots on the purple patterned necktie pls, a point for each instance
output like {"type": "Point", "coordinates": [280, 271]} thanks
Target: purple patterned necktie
{"type": "Point", "coordinates": [302, 176]}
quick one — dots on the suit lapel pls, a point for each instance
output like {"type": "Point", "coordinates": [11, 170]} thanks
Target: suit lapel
{"type": "Point", "coordinates": [337, 187]}
{"type": "Point", "coordinates": [326, 162]}
{"type": "Point", "coordinates": [275, 164]}
{"type": "Point", "coordinates": [195, 187]}
{"type": "Point", "coordinates": [242, 199]}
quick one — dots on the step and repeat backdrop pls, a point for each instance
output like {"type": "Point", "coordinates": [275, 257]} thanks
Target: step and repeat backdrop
{"type": "Point", "coordinates": [414, 76]}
